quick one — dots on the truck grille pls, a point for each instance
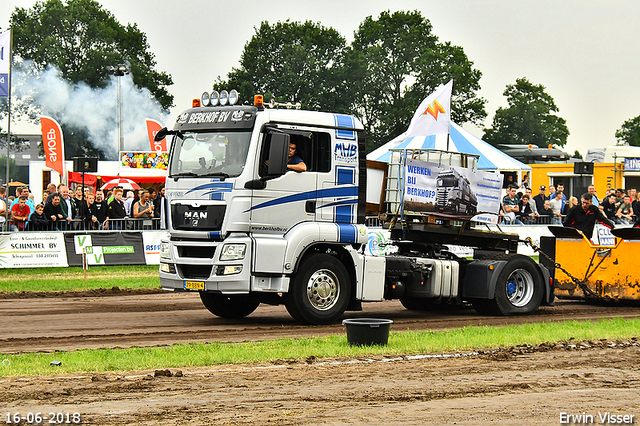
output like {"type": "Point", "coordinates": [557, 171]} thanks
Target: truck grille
{"type": "Point", "coordinates": [202, 218]}
{"type": "Point", "coordinates": [195, 272]}
{"type": "Point", "coordinates": [201, 252]}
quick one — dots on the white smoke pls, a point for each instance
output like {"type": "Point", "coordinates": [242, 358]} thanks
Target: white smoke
{"type": "Point", "coordinates": [91, 109]}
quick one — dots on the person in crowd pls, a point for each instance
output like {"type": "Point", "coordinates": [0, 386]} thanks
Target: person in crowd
{"type": "Point", "coordinates": [546, 214]}
{"type": "Point", "coordinates": [112, 192]}
{"type": "Point", "coordinates": [624, 213]}
{"type": "Point", "coordinates": [584, 216]}
{"type": "Point", "coordinates": [101, 207]}
{"type": "Point", "coordinates": [635, 205]}
{"type": "Point", "coordinates": [116, 212]}
{"type": "Point", "coordinates": [594, 196]}
{"type": "Point", "coordinates": [571, 202]}
{"type": "Point", "coordinates": [20, 212]}
{"type": "Point", "coordinates": [510, 206]}
{"type": "Point", "coordinates": [619, 197]}
{"type": "Point", "coordinates": [38, 221]}
{"type": "Point", "coordinates": [540, 198]}
{"type": "Point", "coordinates": [556, 206]}
{"type": "Point", "coordinates": [560, 188]}
{"type": "Point", "coordinates": [3, 207]}
{"type": "Point", "coordinates": [525, 181]}
{"type": "Point", "coordinates": [143, 208]}
{"type": "Point", "coordinates": [24, 192]}
{"type": "Point", "coordinates": [608, 207]}
{"type": "Point", "coordinates": [88, 212]}
{"type": "Point", "coordinates": [53, 212]}
{"type": "Point", "coordinates": [532, 203]}
{"type": "Point", "coordinates": [68, 205]}
{"type": "Point", "coordinates": [128, 202]}
{"type": "Point", "coordinates": [157, 202]}
{"type": "Point", "coordinates": [552, 190]}
{"type": "Point", "coordinates": [525, 213]}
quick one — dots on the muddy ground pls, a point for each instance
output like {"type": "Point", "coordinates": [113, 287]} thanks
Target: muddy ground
{"type": "Point", "coordinates": [512, 386]}
{"type": "Point", "coordinates": [515, 386]}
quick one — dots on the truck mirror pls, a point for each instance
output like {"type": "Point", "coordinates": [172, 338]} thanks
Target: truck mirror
{"type": "Point", "coordinates": [278, 154]}
{"type": "Point", "coordinates": [162, 133]}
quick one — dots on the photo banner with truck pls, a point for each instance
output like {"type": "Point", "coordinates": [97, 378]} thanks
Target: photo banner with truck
{"type": "Point", "coordinates": [453, 191]}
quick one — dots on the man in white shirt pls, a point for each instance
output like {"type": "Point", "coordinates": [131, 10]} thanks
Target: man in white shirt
{"type": "Point", "coordinates": [556, 207]}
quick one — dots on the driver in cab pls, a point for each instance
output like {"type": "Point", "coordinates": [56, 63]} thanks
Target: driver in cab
{"type": "Point", "coordinates": [295, 162]}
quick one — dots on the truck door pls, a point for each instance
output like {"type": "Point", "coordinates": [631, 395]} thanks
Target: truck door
{"type": "Point", "coordinates": [287, 199]}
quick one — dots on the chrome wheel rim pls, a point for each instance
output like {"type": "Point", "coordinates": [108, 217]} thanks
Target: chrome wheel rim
{"type": "Point", "coordinates": [323, 290]}
{"type": "Point", "coordinates": [520, 287]}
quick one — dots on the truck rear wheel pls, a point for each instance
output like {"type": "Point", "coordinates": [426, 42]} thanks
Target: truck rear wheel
{"type": "Point", "coordinates": [320, 291]}
{"type": "Point", "coordinates": [519, 289]}
{"type": "Point", "coordinates": [229, 306]}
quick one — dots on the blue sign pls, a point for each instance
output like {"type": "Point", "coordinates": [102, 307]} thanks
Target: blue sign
{"type": "Point", "coordinates": [632, 163]}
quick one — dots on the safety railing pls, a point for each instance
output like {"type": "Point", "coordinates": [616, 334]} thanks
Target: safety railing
{"type": "Point", "coordinates": [77, 225]}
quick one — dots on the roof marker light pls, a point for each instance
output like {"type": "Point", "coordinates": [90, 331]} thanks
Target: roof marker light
{"type": "Point", "coordinates": [224, 97]}
{"type": "Point", "coordinates": [215, 98]}
{"type": "Point", "coordinates": [205, 99]}
{"type": "Point", "coordinates": [233, 97]}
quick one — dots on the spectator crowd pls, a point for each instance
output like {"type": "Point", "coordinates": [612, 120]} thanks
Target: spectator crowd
{"type": "Point", "coordinates": [80, 209]}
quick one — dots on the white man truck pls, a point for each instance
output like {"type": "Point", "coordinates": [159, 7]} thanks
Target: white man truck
{"type": "Point", "coordinates": [243, 230]}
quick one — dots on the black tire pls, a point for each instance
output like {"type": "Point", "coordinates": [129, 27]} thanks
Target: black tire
{"type": "Point", "coordinates": [320, 291]}
{"type": "Point", "coordinates": [519, 289]}
{"type": "Point", "coordinates": [229, 306]}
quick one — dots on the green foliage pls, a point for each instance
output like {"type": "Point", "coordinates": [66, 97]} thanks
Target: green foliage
{"type": "Point", "coordinates": [577, 154]}
{"type": "Point", "coordinates": [528, 119]}
{"type": "Point", "coordinates": [292, 62]}
{"type": "Point", "coordinates": [393, 63]}
{"type": "Point", "coordinates": [397, 62]}
{"type": "Point", "coordinates": [81, 39]}
{"type": "Point", "coordinates": [400, 343]}
{"type": "Point", "coordinates": [629, 133]}
{"type": "Point", "coordinates": [18, 174]}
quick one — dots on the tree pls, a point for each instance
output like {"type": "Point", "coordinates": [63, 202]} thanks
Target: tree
{"type": "Point", "coordinates": [395, 62]}
{"type": "Point", "coordinates": [292, 62]}
{"type": "Point", "coordinates": [81, 39]}
{"type": "Point", "coordinates": [629, 133]}
{"type": "Point", "coordinates": [577, 154]}
{"type": "Point", "coordinates": [528, 119]}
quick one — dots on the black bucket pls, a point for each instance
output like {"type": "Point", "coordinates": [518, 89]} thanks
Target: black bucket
{"type": "Point", "coordinates": [367, 331]}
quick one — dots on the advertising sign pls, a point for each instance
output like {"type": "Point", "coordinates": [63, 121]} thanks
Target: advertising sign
{"type": "Point", "coordinates": [109, 248]}
{"type": "Point", "coordinates": [144, 160]}
{"type": "Point", "coordinates": [5, 62]}
{"type": "Point", "coordinates": [32, 250]}
{"type": "Point", "coordinates": [453, 191]}
{"type": "Point", "coordinates": [631, 164]}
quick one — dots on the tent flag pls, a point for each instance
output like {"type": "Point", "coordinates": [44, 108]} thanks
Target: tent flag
{"type": "Point", "coordinates": [433, 116]}
{"type": "Point", "coordinates": [152, 128]}
{"type": "Point", "coordinates": [53, 143]}
{"type": "Point", "coordinates": [5, 62]}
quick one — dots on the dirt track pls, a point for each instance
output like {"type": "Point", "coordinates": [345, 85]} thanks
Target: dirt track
{"type": "Point", "coordinates": [512, 386]}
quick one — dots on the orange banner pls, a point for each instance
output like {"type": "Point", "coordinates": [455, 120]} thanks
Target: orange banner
{"type": "Point", "coordinates": [152, 128]}
{"type": "Point", "coordinates": [53, 143]}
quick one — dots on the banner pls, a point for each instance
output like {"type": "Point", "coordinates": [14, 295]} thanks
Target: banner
{"type": "Point", "coordinates": [151, 241]}
{"type": "Point", "coordinates": [152, 128]}
{"type": "Point", "coordinates": [53, 144]}
{"type": "Point", "coordinates": [450, 190]}
{"type": "Point", "coordinates": [32, 250]}
{"type": "Point", "coordinates": [5, 62]}
{"type": "Point", "coordinates": [107, 248]}
{"type": "Point", "coordinates": [433, 116]}
{"type": "Point", "coordinates": [144, 160]}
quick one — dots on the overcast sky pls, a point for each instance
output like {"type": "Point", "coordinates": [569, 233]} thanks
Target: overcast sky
{"type": "Point", "coordinates": [585, 52]}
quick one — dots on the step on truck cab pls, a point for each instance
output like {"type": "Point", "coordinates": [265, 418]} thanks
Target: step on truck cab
{"type": "Point", "coordinates": [244, 229]}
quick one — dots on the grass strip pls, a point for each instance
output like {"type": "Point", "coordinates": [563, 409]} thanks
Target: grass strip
{"type": "Point", "coordinates": [72, 278]}
{"type": "Point", "coordinates": [400, 342]}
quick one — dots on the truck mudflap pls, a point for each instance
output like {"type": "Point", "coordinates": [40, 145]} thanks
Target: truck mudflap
{"type": "Point", "coordinates": [509, 284]}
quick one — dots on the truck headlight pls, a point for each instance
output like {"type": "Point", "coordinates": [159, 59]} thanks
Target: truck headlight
{"type": "Point", "coordinates": [233, 251]}
{"type": "Point", "coordinates": [165, 252]}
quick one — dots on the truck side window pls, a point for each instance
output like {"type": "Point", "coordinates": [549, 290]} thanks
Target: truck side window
{"type": "Point", "coordinates": [313, 147]}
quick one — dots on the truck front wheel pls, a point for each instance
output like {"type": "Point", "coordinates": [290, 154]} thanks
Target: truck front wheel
{"type": "Point", "coordinates": [229, 306]}
{"type": "Point", "coordinates": [320, 291]}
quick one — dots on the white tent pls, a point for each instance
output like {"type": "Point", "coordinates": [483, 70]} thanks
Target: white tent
{"type": "Point", "coordinates": [460, 141]}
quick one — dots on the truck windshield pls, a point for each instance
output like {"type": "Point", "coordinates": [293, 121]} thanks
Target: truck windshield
{"type": "Point", "coordinates": [445, 181]}
{"type": "Point", "coordinates": [209, 154]}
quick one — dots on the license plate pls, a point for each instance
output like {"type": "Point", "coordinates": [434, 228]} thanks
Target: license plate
{"type": "Point", "coordinates": [194, 285]}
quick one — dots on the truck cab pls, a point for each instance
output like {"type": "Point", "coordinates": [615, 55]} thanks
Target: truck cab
{"type": "Point", "coordinates": [242, 224]}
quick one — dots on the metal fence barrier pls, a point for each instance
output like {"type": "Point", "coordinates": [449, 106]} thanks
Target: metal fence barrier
{"type": "Point", "coordinates": [81, 225]}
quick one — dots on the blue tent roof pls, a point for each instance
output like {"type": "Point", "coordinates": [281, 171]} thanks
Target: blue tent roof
{"type": "Point", "coordinates": [460, 140]}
